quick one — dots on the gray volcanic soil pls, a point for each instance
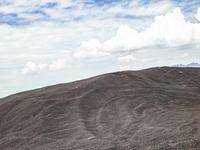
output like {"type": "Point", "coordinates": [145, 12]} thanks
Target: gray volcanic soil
{"type": "Point", "coordinates": [152, 109]}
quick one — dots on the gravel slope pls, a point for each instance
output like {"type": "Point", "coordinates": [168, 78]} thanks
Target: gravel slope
{"type": "Point", "coordinates": [152, 109]}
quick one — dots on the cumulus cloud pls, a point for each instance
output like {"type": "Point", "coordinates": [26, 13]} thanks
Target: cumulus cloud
{"type": "Point", "coordinates": [169, 30]}
{"type": "Point", "coordinates": [198, 14]}
{"type": "Point", "coordinates": [58, 64]}
{"type": "Point", "coordinates": [184, 55]}
{"type": "Point", "coordinates": [91, 48]}
{"type": "Point", "coordinates": [125, 61]}
{"type": "Point", "coordinates": [32, 67]}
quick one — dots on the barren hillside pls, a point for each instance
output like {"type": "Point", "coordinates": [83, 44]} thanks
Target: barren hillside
{"type": "Point", "coordinates": [152, 109]}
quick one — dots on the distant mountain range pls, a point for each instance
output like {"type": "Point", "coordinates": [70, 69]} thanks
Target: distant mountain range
{"type": "Point", "coordinates": [193, 64]}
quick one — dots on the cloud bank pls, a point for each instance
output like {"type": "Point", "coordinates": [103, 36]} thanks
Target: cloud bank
{"type": "Point", "coordinates": [26, 12]}
{"type": "Point", "coordinates": [198, 14]}
{"type": "Point", "coordinates": [125, 62]}
{"type": "Point", "coordinates": [32, 67]}
{"type": "Point", "coordinates": [169, 30]}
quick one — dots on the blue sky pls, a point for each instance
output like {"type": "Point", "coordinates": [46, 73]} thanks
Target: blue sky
{"type": "Point", "coordinates": [49, 42]}
{"type": "Point", "coordinates": [27, 12]}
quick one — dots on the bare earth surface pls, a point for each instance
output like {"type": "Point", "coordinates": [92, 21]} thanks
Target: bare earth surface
{"type": "Point", "coordinates": [152, 109]}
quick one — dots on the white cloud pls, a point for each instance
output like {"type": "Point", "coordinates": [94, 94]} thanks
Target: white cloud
{"type": "Point", "coordinates": [198, 14]}
{"type": "Point", "coordinates": [125, 62]}
{"type": "Point", "coordinates": [34, 39]}
{"type": "Point", "coordinates": [124, 67]}
{"type": "Point", "coordinates": [32, 67]}
{"type": "Point", "coordinates": [80, 9]}
{"type": "Point", "coordinates": [170, 30]}
{"type": "Point", "coordinates": [136, 8]}
{"type": "Point", "coordinates": [91, 48]}
{"type": "Point", "coordinates": [184, 55]}
{"type": "Point", "coordinates": [29, 68]}
{"type": "Point", "coordinates": [58, 64]}
{"type": "Point", "coordinates": [144, 60]}
{"type": "Point", "coordinates": [126, 59]}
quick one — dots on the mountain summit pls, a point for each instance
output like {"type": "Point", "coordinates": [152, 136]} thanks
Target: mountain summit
{"type": "Point", "coordinates": [193, 64]}
{"type": "Point", "coordinates": [152, 109]}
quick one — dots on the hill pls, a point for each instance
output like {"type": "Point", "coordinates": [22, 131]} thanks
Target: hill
{"type": "Point", "coordinates": [152, 109]}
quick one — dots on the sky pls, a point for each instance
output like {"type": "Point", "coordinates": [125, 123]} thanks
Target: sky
{"type": "Point", "coordinates": [46, 42]}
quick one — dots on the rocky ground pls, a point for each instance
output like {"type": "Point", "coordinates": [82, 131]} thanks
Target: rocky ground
{"type": "Point", "coordinates": [152, 109]}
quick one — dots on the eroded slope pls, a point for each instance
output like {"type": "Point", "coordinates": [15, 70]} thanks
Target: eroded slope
{"type": "Point", "coordinates": [157, 108]}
